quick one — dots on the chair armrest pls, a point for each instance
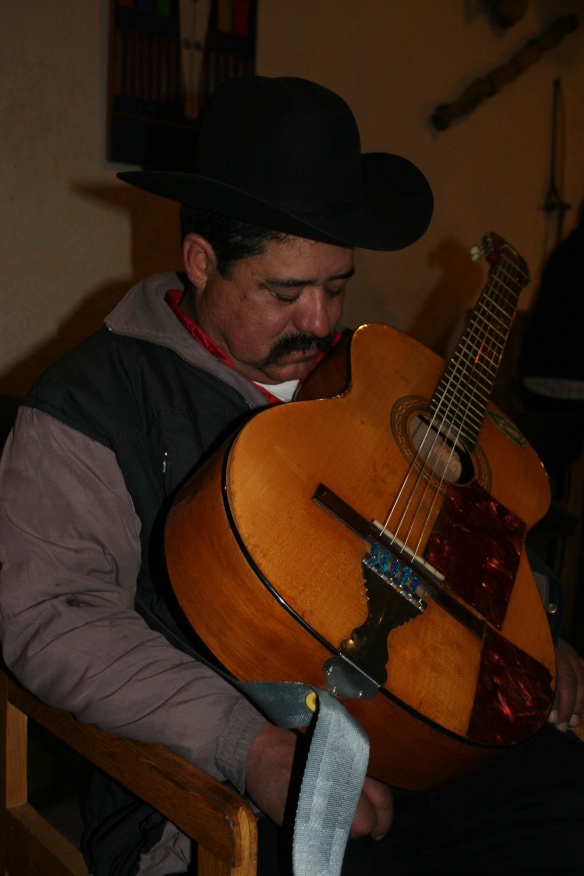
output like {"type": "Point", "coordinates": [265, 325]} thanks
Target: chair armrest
{"type": "Point", "coordinates": [217, 818]}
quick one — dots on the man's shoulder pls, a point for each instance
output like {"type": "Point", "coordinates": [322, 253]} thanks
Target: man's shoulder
{"type": "Point", "coordinates": [79, 387]}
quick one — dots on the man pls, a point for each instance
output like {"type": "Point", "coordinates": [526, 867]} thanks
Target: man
{"type": "Point", "coordinates": [279, 197]}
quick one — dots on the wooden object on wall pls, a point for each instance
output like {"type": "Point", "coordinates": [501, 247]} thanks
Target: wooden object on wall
{"type": "Point", "coordinates": [506, 13]}
{"type": "Point", "coordinates": [554, 202]}
{"type": "Point", "coordinates": [487, 86]}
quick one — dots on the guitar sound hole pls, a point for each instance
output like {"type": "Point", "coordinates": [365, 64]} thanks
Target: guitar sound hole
{"type": "Point", "coordinates": [443, 453]}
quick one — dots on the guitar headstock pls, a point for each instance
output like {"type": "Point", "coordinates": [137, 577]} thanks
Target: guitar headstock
{"type": "Point", "coordinates": [493, 248]}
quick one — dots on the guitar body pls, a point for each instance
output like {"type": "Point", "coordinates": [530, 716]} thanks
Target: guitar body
{"type": "Point", "coordinates": [274, 584]}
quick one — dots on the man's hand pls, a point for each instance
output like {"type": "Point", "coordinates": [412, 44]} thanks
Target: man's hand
{"type": "Point", "coordinates": [569, 700]}
{"type": "Point", "coordinates": [374, 813]}
{"type": "Point", "coordinates": [268, 770]}
{"type": "Point", "coordinates": [269, 767]}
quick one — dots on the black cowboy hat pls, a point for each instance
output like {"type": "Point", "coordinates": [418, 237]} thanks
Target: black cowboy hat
{"type": "Point", "coordinates": [285, 154]}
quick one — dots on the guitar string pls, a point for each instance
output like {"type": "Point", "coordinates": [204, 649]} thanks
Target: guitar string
{"type": "Point", "coordinates": [482, 357]}
{"type": "Point", "coordinates": [491, 352]}
{"type": "Point", "coordinates": [482, 340]}
{"type": "Point", "coordinates": [454, 447]}
{"type": "Point", "coordinates": [423, 452]}
{"type": "Point", "coordinates": [419, 454]}
{"type": "Point", "coordinates": [459, 373]}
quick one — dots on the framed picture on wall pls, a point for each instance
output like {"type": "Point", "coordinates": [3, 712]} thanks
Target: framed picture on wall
{"type": "Point", "coordinates": [166, 58]}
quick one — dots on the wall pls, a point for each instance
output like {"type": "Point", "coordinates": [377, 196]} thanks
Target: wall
{"type": "Point", "coordinates": [73, 238]}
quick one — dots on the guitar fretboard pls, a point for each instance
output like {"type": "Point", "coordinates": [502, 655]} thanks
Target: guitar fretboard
{"type": "Point", "coordinates": [461, 397]}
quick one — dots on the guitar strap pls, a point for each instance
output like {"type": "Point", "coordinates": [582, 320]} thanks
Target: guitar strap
{"type": "Point", "coordinates": [333, 775]}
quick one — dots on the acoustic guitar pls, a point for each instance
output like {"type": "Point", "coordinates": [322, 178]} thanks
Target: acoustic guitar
{"type": "Point", "coordinates": [369, 538]}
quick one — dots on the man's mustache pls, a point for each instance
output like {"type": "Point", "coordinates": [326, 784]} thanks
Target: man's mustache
{"type": "Point", "coordinates": [298, 343]}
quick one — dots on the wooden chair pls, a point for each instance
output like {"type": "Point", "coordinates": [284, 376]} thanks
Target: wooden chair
{"type": "Point", "coordinates": [218, 819]}
{"type": "Point", "coordinates": [220, 822]}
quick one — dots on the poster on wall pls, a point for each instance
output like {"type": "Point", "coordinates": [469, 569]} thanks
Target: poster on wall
{"type": "Point", "coordinates": [166, 58]}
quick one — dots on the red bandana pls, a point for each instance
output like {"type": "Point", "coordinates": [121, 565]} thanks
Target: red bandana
{"type": "Point", "coordinates": [174, 298]}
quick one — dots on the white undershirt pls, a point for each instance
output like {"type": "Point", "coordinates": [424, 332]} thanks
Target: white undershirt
{"type": "Point", "coordinates": [284, 391]}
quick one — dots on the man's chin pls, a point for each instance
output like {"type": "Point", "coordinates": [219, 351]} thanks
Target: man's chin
{"type": "Point", "coordinates": [296, 366]}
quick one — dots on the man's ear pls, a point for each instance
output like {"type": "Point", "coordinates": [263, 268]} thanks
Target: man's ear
{"type": "Point", "coordinates": [199, 259]}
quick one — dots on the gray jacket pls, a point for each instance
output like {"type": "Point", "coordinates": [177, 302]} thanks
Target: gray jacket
{"type": "Point", "coordinates": [71, 555]}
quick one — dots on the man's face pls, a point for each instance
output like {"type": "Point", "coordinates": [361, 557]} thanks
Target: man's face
{"type": "Point", "coordinates": [277, 311]}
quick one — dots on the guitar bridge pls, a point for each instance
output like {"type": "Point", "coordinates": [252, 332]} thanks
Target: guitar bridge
{"type": "Point", "coordinates": [373, 532]}
{"type": "Point", "coordinates": [397, 584]}
{"type": "Point", "coordinates": [392, 601]}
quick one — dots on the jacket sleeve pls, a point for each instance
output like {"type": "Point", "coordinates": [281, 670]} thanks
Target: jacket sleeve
{"type": "Point", "coordinates": [70, 555]}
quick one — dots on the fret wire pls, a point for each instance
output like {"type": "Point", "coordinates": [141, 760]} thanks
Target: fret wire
{"type": "Point", "coordinates": [475, 333]}
{"type": "Point", "coordinates": [466, 362]}
{"type": "Point", "coordinates": [472, 399]}
{"type": "Point", "coordinates": [487, 369]}
{"type": "Point", "coordinates": [473, 418]}
{"type": "Point", "coordinates": [500, 300]}
{"type": "Point", "coordinates": [495, 337]}
{"type": "Point", "coordinates": [491, 306]}
{"type": "Point", "coordinates": [471, 413]}
{"type": "Point", "coordinates": [464, 391]}
{"type": "Point", "coordinates": [467, 356]}
{"type": "Point", "coordinates": [449, 395]}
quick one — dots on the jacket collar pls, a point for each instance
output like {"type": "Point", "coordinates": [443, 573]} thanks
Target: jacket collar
{"type": "Point", "coordinates": [143, 313]}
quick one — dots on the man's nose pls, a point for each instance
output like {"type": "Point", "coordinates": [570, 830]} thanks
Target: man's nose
{"type": "Point", "coordinates": [316, 314]}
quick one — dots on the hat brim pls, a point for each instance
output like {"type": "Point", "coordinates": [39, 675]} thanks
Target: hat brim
{"type": "Point", "coordinates": [394, 213]}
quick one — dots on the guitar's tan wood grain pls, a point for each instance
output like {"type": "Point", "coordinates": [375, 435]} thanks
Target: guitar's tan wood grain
{"type": "Point", "coordinates": [312, 562]}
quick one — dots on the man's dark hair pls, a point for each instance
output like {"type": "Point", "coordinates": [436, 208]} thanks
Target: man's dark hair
{"type": "Point", "coordinates": [231, 239]}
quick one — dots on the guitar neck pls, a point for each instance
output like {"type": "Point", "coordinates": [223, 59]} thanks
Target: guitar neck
{"type": "Point", "coordinates": [464, 391]}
